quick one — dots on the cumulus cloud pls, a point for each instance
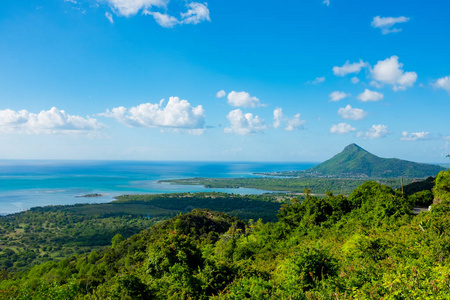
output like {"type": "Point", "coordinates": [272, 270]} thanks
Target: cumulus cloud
{"type": "Point", "coordinates": [318, 80]}
{"type": "Point", "coordinates": [355, 80]}
{"type": "Point", "coordinates": [53, 121]}
{"type": "Point", "coordinates": [389, 71]}
{"type": "Point", "coordinates": [177, 115]}
{"type": "Point", "coordinates": [244, 123]}
{"type": "Point", "coordinates": [277, 117]}
{"type": "Point", "coordinates": [349, 68]}
{"type": "Point", "coordinates": [342, 128]}
{"type": "Point", "coordinates": [376, 84]}
{"type": "Point", "coordinates": [443, 83]}
{"type": "Point", "coordinates": [129, 8]}
{"type": "Point", "coordinates": [375, 132]}
{"type": "Point", "coordinates": [369, 95]}
{"type": "Point", "coordinates": [386, 23]}
{"type": "Point", "coordinates": [196, 12]}
{"type": "Point", "coordinates": [337, 95]}
{"type": "Point", "coordinates": [109, 17]}
{"type": "Point", "coordinates": [242, 99]}
{"type": "Point", "coordinates": [351, 113]}
{"type": "Point", "coordinates": [221, 94]}
{"type": "Point", "coordinates": [290, 123]}
{"type": "Point", "coordinates": [163, 20]}
{"type": "Point", "coordinates": [294, 123]}
{"type": "Point", "coordinates": [414, 136]}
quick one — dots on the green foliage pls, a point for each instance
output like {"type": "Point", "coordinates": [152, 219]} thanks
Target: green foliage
{"type": "Point", "coordinates": [306, 267]}
{"type": "Point", "coordinates": [57, 232]}
{"type": "Point", "coordinates": [116, 240]}
{"type": "Point", "coordinates": [242, 206]}
{"type": "Point", "coordinates": [422, 198]}
{"type": "Point", "coordinates": [442, 188]}
{"type": "Point", "coordinates": [365, 246]}
{"type": "Point", "coordinates": [418, 186]}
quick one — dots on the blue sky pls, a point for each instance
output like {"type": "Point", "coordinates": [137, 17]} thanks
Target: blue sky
{"type": "Point", "coordinates": [241, 80]}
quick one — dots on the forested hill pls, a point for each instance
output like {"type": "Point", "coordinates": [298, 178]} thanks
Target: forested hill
{"type": "Point", "coordinates": [354, 161]}
{"type": "Point", "coordinates": [368, 245]}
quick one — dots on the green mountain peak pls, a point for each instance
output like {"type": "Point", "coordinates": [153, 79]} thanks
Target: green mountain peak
{"type": "Point", "coordinates": [355, 161]}
{"type": "Point", "coordinates": [353, 147]}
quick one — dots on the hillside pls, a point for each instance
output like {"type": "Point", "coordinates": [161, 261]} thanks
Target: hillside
{"type": "Point", "coordinates": [57, 232]}
{"type": "Point", "coordinates": [368, 245]}
{"type": "Point", "coordinates": [354, 161]}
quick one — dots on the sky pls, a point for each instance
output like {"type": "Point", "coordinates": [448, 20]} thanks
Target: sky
{"type": "Point", "coordinates": [179, 80]}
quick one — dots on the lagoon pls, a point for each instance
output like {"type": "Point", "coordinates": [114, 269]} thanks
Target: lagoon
{"type": "Point", "coordinates": [30, 183]}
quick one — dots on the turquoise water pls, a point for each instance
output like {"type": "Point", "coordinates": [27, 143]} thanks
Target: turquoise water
{"type": "Point", "coordinates": [26, 184]}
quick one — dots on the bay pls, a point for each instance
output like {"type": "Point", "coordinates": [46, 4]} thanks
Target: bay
{"type": "Point", "coordinates": [30, 183]}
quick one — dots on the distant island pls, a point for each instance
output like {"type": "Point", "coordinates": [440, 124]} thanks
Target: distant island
{"type": "Point", "coordinates": [90, 195]}
{"type": "Point", "coordinates": [355, 162]}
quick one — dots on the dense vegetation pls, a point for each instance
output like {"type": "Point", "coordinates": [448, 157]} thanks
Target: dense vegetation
{"type": "Point", "coordinates": [354, 161]}
{"type": "Point", "coordinates": [318, 186]}
{"type": "Point", "coordinates": [53, 233]}
{"type": "Point", "coordinates": [243, 206]}
{"type": "Point", "coordinates": [366, 245]}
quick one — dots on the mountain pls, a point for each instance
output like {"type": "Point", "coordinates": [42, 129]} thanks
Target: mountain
{"type": "Point", "coordinates": [354, 161]}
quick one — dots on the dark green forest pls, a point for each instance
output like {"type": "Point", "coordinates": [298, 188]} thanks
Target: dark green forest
{"type": "Point", "coordinates": [367, 245]}
{"type": "Point", "coordinates": [56, 232]}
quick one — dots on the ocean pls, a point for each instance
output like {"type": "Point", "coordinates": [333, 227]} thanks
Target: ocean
{"type": "Point", "coordinates": [26, 184]}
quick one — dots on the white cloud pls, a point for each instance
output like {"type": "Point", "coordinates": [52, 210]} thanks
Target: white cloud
{"type": "Point", "coordinates": [221, 94]}
{"type": "Point", "coordinates": [318, 80]}
{"type": "Point", "coordinates": [242, 99]}
{"type": "Point", "coordinates": [376, 84]}
{"type": "Point", "coordinates": [326, 2]}
{"type": "Point", "coordinates": [291, 123]}
{"type": "Point", "coordinates": [386, 23]}
{"type": "Point", "coordinates": [109, 17]}
{"type": "Point", "coordinates": [197, 13]}
{"type": "Point", "coordinates": [348, 68]}
{"type": "Point", "coordinates": [129, 8]}
{"type": "Point", "coordinates": [355, 80]}
{"type": "Point", "coordinates": [375, 132]}
{"type": "Point", "coordinates": [337, 95]}
{"type": "Point", "coordinates": [390, 71]}
{"type": "Point", "coordinates": [443, 83]}
{"type": "Point", "coordinates": [352, 113]}
{"type": "Point", "coordinates": [295, 123]}
{"type": "Point", "coordinates": [177, 115]}
{"type": "Point", "coordinates": [53, 121]}
{"type": "Point", "coordinates": [369, 95]}
{"type": "Point", "coordinates": [163, 20]}
{"type": "Point", "coordinates": [342, 128]}
{"type": "Point", "coordinates": [277, 117]}
{"type": "Point", "coordinates": [414, 136]}
{"type": "Point", "coordinates": [244, 123]}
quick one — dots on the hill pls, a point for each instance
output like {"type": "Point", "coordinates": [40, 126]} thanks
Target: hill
{"type": "Point", "coordinates": [354, 161]}
{"type": "Point", "coordinates": [368, 245]}
{"type": "Point", "coordinates": [49, 233]}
